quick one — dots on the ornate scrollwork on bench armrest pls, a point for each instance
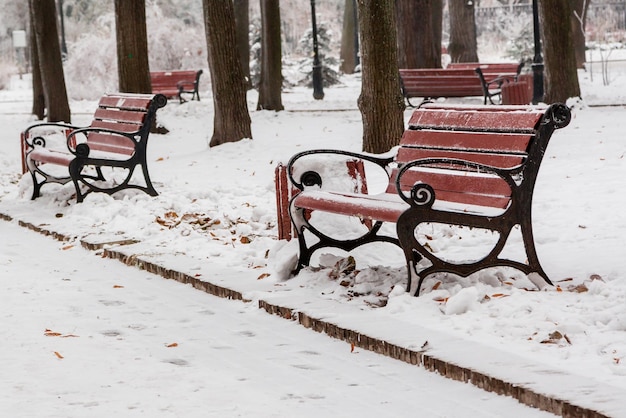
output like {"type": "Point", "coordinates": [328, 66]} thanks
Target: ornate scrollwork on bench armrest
{"type": "Point", "coordinates": [311, 177]}
{"type": "Point", "coordinates": [558, 115]}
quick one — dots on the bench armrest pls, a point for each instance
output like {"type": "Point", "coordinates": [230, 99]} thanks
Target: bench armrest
{"type": "Point", "coordinates": [39, 140]}
{"type": "Point", "coordinates": [422, 194]}
{"type": "Point", "coordinates": [311, 178]}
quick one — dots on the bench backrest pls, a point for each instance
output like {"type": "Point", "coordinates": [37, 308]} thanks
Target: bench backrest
{"type": "Point", "coordinates": [128, 113]}
{"type": "Point", "coordinates": [438, 82]}
{"type": "Point", "coordinates": [511, 138]}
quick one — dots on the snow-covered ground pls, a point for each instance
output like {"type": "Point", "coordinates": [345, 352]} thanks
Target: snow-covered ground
{"type": "Point", "coordinates": [215, 218]}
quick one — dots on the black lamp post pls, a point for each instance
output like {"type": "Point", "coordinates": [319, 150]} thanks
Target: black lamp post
{"type": "Point", "coordinates": [537, 65]}
{"type": "Point", "coordinates": [318, 89]}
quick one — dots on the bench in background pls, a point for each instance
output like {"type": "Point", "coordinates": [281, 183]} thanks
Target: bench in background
{"type": "Point", "coordinates": [176, 83]}
{"type": "Point", "coordinates": [117, 138]}
{"type": "Point", "coordinates": [457, 165]}
{"type": "Point", "coordinates": [446, 82]}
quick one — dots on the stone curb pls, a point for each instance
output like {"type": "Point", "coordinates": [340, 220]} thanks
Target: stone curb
{"type": "Point", "coordinates": [431, 363]}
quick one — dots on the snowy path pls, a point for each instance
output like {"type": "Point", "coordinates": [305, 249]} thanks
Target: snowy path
{"type": "Point", "coordinates": [135, 344]}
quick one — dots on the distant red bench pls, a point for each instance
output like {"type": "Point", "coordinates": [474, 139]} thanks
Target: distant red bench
{"type": "Point", "coordinates": [117, 138]}
{"type": "Point", "coordinates": [444, 82]}
{"type": "Point", "coordinates": [176, 83]}
{"type": "Point", "coordinates": [458, 165]}
{"type": "Point", "coordinates": [458, 80]}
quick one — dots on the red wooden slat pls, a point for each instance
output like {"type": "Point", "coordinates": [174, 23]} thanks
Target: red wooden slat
{"type": "Point", "coordinates": [124, 102]}
{"type": "Point", "coordinates": [116, 126]}
{"type": "Point", "coordinates": [363, 206]}
{"type": "Point", "coordinates": [484, 141]}
{"type": "Point", "coordinates": [493, 160]}
{"type": "Point", "coordinates": [110, 143]}
{"type": "Point", "coordinates": [498, 202]}
{"type": "Point", "coordinates": [452, 182]}
{"type": "Point", "coordinates": [475, 120]}
{"type": "Point", "coordinates": [120, 115]}
{"type": "Point", "coordinates": [282, 203]}
{"type": "Point", "coordinates": [408, 73]}
{"type": "Point", "coordinates": [45, 155]}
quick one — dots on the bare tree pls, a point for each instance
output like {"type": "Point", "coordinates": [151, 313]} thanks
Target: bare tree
{"type": "Point", "coordinates": [380, 102]}
{"type": "Point", "coordinates": [132, 46]}
{"type": "Point", "coordinates": [419, 25]}
{"type": "Point", "coordinates": [44, 19]}
{"type": "Point", "coordinates": [231, 121]}
{"type": "Point", "coordinates": [561, 76]}
{"type": "Point", "coordinates": [271, 57]}
{"type": "Point", "coordinates": [349, 39]}
{"type": "Point", "coordinates": [462, 46]}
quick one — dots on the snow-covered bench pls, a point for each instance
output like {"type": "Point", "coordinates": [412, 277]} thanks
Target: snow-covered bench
{"type": "Point", "coordinates": [457, 165]}
{"type": "Point", "coordinates": [116, 138]}
{"type": "Point", "coordinates": [176, 83]}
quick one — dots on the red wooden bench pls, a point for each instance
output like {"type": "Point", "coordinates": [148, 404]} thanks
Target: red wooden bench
{"type": "Point", "coordinates": [117, 138]}
{"type": "Point", "coordinates": [458, 165]}
{"type": "Point", "coordinates": [446, 82]}
{"type": "Point", "coordinates": [176, 83]}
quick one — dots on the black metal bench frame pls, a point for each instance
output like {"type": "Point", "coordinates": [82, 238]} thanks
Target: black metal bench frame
{"type": "Point", "coordinates": [418, 198]}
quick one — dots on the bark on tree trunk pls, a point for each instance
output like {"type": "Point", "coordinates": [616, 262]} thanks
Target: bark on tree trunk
{"type": "Point", "coordinates": [380, 102]}
{"type": "Point", "coordinates": [419, 28]}
{"type": "Point", "coordinates": [132, 46]}
{"type": "Point", "coordinates": [39, 100]}
{"type": "Point", "coordinates": [462, 46]}
{"type": "Point", "coordinates": [231, 121]}
{"type": "Point", "coordinates": [561, 76]}
{"type": "Point", "coordinates": [349, 39]}
{"type": "Point", "coordinates": [271, 57]}
{"type": "Point", "coordinates": [242, 23]}
{"type": "Point", "coordinates": [50, 61]}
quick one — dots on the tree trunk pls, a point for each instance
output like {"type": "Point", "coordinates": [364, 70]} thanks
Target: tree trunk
{"type": "Point", "coordinates": [419, 28]}
{"type": "Point", "coordinates": [380, 102]}
{"type": "Point", "coordinates": [462, 46]}
{"type": "Point", "coordinates": [39, 100]}
{"type": "Point", "coordinates": [242, 31]}
{"type": "Point", "coordinates": [271, 55]}
{"type": "Point", "coordinates": [132, 46]}
{"type": "Point", "coordinates": [561, 76]}
{"type": "Point", "coordinates": [50, 61]}
{"type": "Point", "coordinates": [231, 121]}
{"type": "Point", "coordinates": [349, 39]}
{"type": "Point", "coordinates": [577, 20]}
